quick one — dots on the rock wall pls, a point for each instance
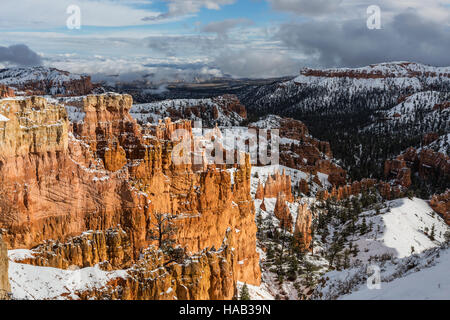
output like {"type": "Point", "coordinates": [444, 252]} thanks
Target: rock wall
{"type": "Point", "coordinates": [6, 92]}
{"type": "Point", "coordinates": [300, 151]}
{"type": "Point", "coordinates": [210, 275]}
{"type": "Point", "coordinates": [5, 287]}
{"type": "Point", "coordinates": [427, 163]}
{"type": "Point", "coordinates": [441, 204]}
{"type": "Point", "coordinates": [111, 249]}
{"type": "Point", "coordinates": [59, 179]}
{"type": "Point", "coordinates": [274, 185]}
{"type": "Point", "coordinates": [387, 190]}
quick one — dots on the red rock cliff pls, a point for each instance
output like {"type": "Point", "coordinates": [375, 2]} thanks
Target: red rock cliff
{"type": "Point", "coordinates": [59, 180]}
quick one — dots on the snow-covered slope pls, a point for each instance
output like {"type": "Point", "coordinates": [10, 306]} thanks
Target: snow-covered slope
{"type": "Point", "coordinates": [432, 282]}
{"type": "Point", "coordinates": [43, 80]}
{"type": "Point", "coordinates": [421, 113]}
{"type": "Point", "coordinates": [403, 225]}
{"type": "Point", "coordinates": [377, 76]}
{"type": "Point", "coordinates": [223, 111]}
{"type": "Point", "coordinates": [406, 237]}
{"type": "Point", "coordinates": [41, 283]}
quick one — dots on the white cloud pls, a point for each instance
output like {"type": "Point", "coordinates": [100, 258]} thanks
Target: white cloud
{"type": "Point", "coordinates": [50, 13]}
{"type": "Point", "coordinates": [185, 7]}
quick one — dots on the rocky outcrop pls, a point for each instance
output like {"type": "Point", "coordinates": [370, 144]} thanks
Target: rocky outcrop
{"type": "Point", "coordinates": [441, 204]}
{"type": "Point", "coordinates": [5, 287]}
{"type": "Point", "coordinates": [59, 179]}
{"type": "Point", "coordinates": [46, 81]}
{"type": "Point", "coordinates": [274, 185]}
{"type": "Point", "coordinates": [224, 110]}
{"type": "Point", "coordinates": [387, 190]}
{"type": "Point", "coordinates": [303, 186]}
{"type": "Point", "coordinates": [379, 71]}
{"type": "Point", "coordinates": [303, 226]}
{"type": "Point", "coordinates": [429, 138]}
{"type": "Point", "coordinates": [111, 249]}
{"type": "Point", "coordinates": [427, 163]}
{"type": "Point", "coordinates": [6, 92]}
{"type": "Point", "coordinates": [209, 275]}
{"type": "Point", "coordinates": [283, 213]}
{"type": "Point", "coordinates": [300, 151]}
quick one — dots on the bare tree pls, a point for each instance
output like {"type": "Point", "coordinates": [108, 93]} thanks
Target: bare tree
{"type": "Point", "coordinates": [163, 231]}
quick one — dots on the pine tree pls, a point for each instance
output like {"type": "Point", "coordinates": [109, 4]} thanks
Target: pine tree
{"type": "Point", "coordinates": [244, 295]}
{"type": "Point", "coordinates": [433, 231]}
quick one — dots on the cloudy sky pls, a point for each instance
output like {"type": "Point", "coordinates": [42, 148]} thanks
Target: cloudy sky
{"type": "Point", "coordinates": [181, 39]}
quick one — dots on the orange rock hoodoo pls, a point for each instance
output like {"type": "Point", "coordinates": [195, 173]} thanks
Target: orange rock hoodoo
{"type": "Point", "coordinates": [282, 212]}
{"type": "Point", "coordinates": [303, 226]}
{"type": "Point", "coordinates": [59, 180]}
{"type": "Point", "coordinates": [428, 163]}
{"type": "Point", "coordinates": [441, 204]}
{"type": "Point", "coordinates": [386, 190]}
{"type": "Point", "coordinates": [6, 92]}
{"type": "Point", "coordinates": [274, 185]}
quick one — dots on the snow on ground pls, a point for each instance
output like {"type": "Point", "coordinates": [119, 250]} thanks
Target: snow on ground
{"type": "Point", "coordinates": [3, 118]}
{"type": "Point", "coordinates": [257, 293]}
{"type": "Point", "coordinates": [428, 283]}
{"type": "Point", "coordinates": [261, 174]}
{"type": "Point", "coordinates": [154, 111]}
{"type": "Point", "coordinates": [403, 228]}
{"type": "Point", "coordinates": [20, 254]}
{"type": "Point", "coordinates": [399, 246]}
{"type": "Point", "coordinates": [42, 283]}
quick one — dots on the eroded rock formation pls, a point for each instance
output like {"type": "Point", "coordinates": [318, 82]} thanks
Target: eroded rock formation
{"type": "Point", "coordinates": [224, 110]}
{"type": "Point", "coordinates": [427, 163]}
{"type": "Point", "coordinates": [299, 150]}
{"type": "Point", "coordinates": [209, 275]}
{"type": "Point", "coordinates": [387, 190]}
{"type": "Point", "coordinates": [111, 249]}
{"type": "Point", "coordinates": [6, 92]}
{"type": "Point", "coordinates": [274, 185]}
{"type": "Point", "coordinates": [303, 226]}
{"type": "Point", "coordinates": [46, 81]}
{"type": "Point", "coordinates": [441, 204]}
{"type": "Point", "coordinates": [283, 213]}
{"type": "Point", "coordinates": [59, 179]}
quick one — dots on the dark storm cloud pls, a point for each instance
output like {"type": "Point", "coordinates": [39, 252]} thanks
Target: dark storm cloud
{"type": "Point", "coordinates": [306, 7]}
{"type": "Point", "coordinates": [352, 44]}
{"type": "Point", "coordinates": [255, 64]}
{"type": "Point", "coordinates": [181, 45]}
{"type": "Point", "coordinates": [19, 54]}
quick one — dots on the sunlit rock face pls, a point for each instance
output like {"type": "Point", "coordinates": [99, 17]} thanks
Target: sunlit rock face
{"type": "Point", "coordinates": [85, 164]}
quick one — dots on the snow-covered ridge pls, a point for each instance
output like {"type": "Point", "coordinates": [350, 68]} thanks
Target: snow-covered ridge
{"type": "Point", "coordinates": [14, 76]}
{"type": "Point", "coordinates": [223, 110]}
{"type": "Point", "coordinates": [425, 100]}
{"type": "Point", "coordinates": [378, 76]}
{"type": "Point", "coordinates": [44, 80]}
{"type": "Point", "coordinates": [386, 69]}
{"type": "Point", "coordinates": [422, 112]}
